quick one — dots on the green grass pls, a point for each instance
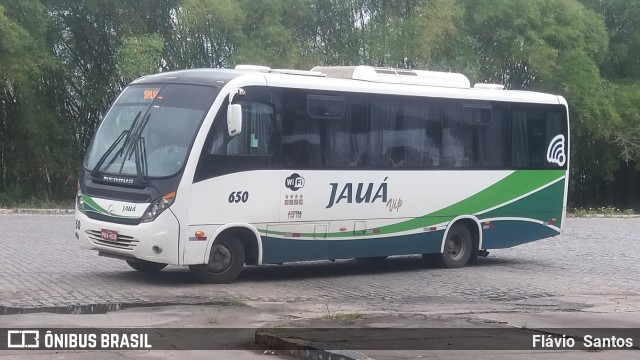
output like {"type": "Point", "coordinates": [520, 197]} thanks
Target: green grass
{"type": "Point", "coordinates": [341, 316]}
{"type": "Point", "coordinates": [601, 211]}
{"type": "Point", "coordinates": [211, 315]}
{"type": "Point", "coordinates": [37, 204]}
{"type": "Point", "coordinates": [236, 301]}
{"type": "Point", "coordinates": [212, 318]}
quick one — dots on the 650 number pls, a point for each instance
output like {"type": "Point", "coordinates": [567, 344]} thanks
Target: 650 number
{"type": "Point", "coordinates": [238, 196]}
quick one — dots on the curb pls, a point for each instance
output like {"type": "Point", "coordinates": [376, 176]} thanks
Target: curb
{"type": "Point", "coordinates": [37, 211]}
{"type": "Point", "coordinates": [304, 349]}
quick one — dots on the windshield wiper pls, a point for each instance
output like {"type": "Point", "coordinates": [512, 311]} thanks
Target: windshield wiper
{"type": "Point", "coordinates": [102, 159]}
{"type": "Point", "coordinates": [106, 154]}
{"type": "Point", "coordinates": [142, 168]}
{"type": "Point", "coordinates": [133, 144]}
{"type": "Point", "coordinates": [132, 140]}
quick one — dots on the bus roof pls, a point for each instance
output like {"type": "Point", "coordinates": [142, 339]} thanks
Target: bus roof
{"type": "Point", "coordinates": [217, 77]}
{"type": "Point", "coordinates": [318, 80]}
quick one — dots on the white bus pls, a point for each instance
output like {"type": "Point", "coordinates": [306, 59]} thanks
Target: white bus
{"type": "Point", "coordinates": [221, 168]}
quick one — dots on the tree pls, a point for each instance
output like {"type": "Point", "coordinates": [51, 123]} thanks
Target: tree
{"type": "Point", "coordinates": [33, 139]}
{"type": "Point", "coordinates": [520, 42]}
{"type": "Point", "coordinates": [405, 34]}
{"type": "Point", "coordinates": [267, 40]}
{"type": "Point", "coordinates": [207, 33]}
{"type": "Point", "coordinates": [62, 62]}
{"type": "Point", "coordinates": [617, 182]}
{"type": "Point", "coordinates": [623, 24]}
{"type": "Point", "coordinates": [90, 43]}
{"type": "Point", "coordinates": [139, 55]}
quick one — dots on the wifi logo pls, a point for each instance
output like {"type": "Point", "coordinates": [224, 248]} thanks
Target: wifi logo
{"type": "Point", "coordinates": [555, 153]}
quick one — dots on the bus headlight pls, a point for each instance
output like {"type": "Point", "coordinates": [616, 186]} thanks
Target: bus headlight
{"type": "Point", "coordinates": [80, 202]}
{"type": "Point", "coordinates": [157, 207]}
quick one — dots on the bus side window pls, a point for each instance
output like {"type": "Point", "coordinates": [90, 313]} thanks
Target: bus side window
{"type": "Point", "coordinates": [433, 140]}
{"type": "Point", "coordinates": [532, 130]}
{"type": "Point", "coordinates": [397, 156]}
{"type": "Point", "coordinates": [301, 144]}
{"type": "Point", "coordinates": [473, 136]}
{"type": "Point", "coordinates": [218, 146]}
{"type": "Point", "coordinates": [454, 152]}
{"type": "Point", "coordinates": [259, 132]}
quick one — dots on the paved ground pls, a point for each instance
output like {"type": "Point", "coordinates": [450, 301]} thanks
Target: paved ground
{"type": "Point", "coordinates": [43, 267]}
{"type": "Point", "coordinates": [591, 269]}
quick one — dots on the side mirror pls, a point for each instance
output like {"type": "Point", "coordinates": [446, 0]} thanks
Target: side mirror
{"type": "Point", "coordinates": [234, 119]}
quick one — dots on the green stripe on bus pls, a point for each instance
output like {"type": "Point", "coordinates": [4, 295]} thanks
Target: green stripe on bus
{"type": "Point", "coordinates": [93, 206]}
{"type": "Point", "coordinates": [543, 205]}
{"type": "Point", "coordinates": [511, 187]}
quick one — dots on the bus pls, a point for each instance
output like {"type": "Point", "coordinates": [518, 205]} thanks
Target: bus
{"type": "Point", "coordinates": [216, 169]}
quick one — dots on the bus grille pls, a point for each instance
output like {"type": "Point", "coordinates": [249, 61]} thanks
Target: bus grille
{"type": "Point", "coordinates": [118, 195]}
{"type": "Point", "coordinates": [124, 242]}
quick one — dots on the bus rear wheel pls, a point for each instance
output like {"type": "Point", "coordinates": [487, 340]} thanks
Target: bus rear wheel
{"type": "Point", "coordinates": [458, 246]}
{"type": "Point", "coordinates": [146, 266]}
{"type": "Point", "coordinates": [226, 260]}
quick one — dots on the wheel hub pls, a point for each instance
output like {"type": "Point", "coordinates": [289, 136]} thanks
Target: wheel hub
{"type": "Point", "coordinates": [456, 248]}
{"type": "Point", "coordinates": [220, 259]}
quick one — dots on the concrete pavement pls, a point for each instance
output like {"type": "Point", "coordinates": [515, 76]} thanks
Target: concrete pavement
{"type": "Point", "coordinates": [586, 277]}
{"type": "Point", "coordinates": [275, 318]}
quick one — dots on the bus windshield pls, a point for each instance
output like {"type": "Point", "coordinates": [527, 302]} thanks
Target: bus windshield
{"type": "Point", "coordinates": [149, 130]}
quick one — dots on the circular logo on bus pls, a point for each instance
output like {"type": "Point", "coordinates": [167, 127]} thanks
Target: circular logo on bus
{"type": "Point", "coordinates": [294, 182]}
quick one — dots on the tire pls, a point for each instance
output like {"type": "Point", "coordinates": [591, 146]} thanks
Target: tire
{"type": "Point", "coordinates": [146, 266]}
{"type": "Point", "coordinates": [226, 260]}
{"type": "Point", "coordinates": [458, 247]}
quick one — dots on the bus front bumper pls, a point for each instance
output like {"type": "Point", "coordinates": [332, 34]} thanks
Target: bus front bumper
{"type": "Point", "coordinates": [155, 241]}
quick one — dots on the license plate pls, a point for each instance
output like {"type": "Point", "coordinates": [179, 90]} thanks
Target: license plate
{"type": "Point", "coordinates": [109, 235]}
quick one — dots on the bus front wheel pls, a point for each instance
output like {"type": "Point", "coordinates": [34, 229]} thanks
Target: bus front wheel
{"type": "Point", "coordinates": [226, 260]}
{"type": "Point", "coordinates": [146, 266]}
{"type": "Point", "coordinates": [458, 246]}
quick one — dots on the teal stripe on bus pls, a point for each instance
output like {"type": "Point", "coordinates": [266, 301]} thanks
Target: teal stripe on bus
{"type": "Point", "coordinates": [509, 233]}
{"type": "Point", "coordinates": [279, 250]}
